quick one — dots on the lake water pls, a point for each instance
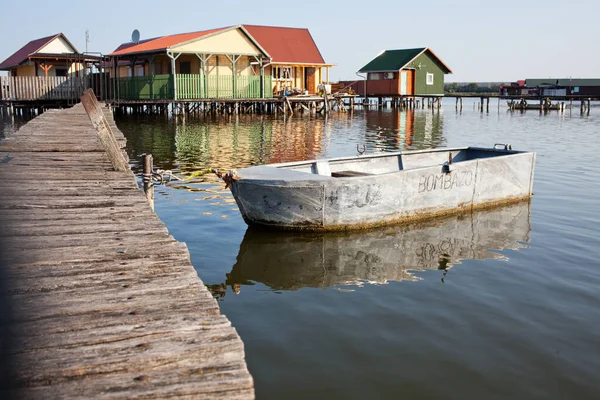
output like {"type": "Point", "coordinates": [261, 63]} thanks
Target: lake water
{"type": "Point", "coordinates": [498, 304]}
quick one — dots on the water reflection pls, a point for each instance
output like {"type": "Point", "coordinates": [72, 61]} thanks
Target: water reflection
{"type": "Point", "coordinates": [406, 129]}
{"type": "Point", "coordinates": [293, 261]}
{"type": "Point", "coordinates": [228, 142]}
{"type": "Point", "coordinates": [9, 125]}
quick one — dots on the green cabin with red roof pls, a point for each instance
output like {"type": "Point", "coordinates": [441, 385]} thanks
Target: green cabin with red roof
{"type": "Point", "coordinates": [404, 72]}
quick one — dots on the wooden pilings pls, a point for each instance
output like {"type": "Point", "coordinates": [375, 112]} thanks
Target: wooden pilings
{"type": "Point", "coordinates": [459, 100]}
{"type": "Point", "coordinates": [148, 183]}
{"type": "Point", "coordinates": [586, 104]}
{"type": "Point", "coordinates": [400, 102]}
{"type": "Point", "coordinates": [288, 106]}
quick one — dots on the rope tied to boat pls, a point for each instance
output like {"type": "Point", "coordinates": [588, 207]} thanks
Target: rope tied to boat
{"type": "Point", "coordinates": [160, 177]}
{"type": "Point", "coordinates": [228, 177]}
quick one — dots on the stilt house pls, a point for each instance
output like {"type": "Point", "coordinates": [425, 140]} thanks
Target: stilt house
{"type": "Point", "coordinates": [49, 68]}
{"type": "Point", "coordinates": [405, 72]}
{"type": "Point", "coordinates": [243, 61]}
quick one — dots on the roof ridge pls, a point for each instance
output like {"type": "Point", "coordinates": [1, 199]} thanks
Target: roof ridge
{"type": "Point", "coordinates": [412, 48]}
{"type": "Point", "coordinates": [168, 36]}
{"type": "Point", "coordinates": [275, 26]}
{"type": "Point", "coordinates": [201, 31]}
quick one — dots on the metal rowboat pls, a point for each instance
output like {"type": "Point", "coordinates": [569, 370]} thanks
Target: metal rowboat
{"type": "Point", "coordinates": [372, 190]}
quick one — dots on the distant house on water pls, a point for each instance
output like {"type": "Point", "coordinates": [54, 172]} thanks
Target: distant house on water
{"type": "Point", "coordinates": [553, 87]}
{"type": "Point", "coordinates": [404, 72]}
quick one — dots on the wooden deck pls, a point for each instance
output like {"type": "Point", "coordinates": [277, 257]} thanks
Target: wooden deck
{"type": "Point", "coordinates": [105, 303]}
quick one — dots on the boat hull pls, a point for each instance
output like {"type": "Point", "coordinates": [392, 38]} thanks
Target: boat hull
{"type": "Point", "coordinates": [378, 199]}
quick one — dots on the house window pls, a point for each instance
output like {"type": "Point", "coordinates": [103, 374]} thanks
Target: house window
{"type": "Point", "coordinates": [61, 72]}
{"type": "Point", "coordinates": [282, 73]}
{"type": "Point", "coordinates": [185, 67]}
{"type": "Point", "coordinates": [139, 70]}
{"type": "Point", "coordinates": [374, 76]}
{"type": "Point", "coordinates": [429, 79]}
{"type": "Point", "coordinates": [286, 73]}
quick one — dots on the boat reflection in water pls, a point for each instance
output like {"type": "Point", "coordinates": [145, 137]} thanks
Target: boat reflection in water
{"type": "Point", "coordinates": [285, 261]}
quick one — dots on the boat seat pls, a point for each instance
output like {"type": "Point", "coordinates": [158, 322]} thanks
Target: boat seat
{"type": "Point", "coordinates": [344, 174]}
{"type": "Point", "coordinates": [321, 167]}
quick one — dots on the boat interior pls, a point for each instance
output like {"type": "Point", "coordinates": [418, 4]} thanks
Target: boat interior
{"type": "Point", "coordinates": [393, 162]}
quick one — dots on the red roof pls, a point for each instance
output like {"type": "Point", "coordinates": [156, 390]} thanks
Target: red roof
{"type": "Point", "coordinates": [127, 45]}
{"type": "Point", "coordinates": [286, 45]}
{"type": "Point", "coordinates": [24, 52]}
{"type": "Point", "coordinates": [161, 43]}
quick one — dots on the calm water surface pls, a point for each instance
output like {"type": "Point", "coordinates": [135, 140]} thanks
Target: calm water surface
{"type": "Point", "coordinates": [498, 304]}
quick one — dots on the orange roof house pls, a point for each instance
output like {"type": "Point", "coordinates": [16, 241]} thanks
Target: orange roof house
{"type": "Point", "coordinates": [218, 62]}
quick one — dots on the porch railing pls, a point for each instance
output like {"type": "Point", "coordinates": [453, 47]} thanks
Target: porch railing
{"type": "Point", "coordinates": [191, 87]}
{"type": "Point", "coordinates": [30, 88]}
{"type": "Point", "coordinates": [157, 87]}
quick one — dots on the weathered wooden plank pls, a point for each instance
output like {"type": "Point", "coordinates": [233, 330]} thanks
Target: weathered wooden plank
{"type": "Point", "coordinates": [104, 131]}
{"type": "Point", "coordinates": [200, 383]}
{"type": "Point", "coordinates": [66, 214]}
{"type": "Point", "coordinates": [106, 303]}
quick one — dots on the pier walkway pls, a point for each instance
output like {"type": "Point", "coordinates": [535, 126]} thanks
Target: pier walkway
{"type": "Point", "coordinates": [104, 303]}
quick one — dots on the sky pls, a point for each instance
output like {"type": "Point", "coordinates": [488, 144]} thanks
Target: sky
{"type": "Point", "coordinates": [481, 41]}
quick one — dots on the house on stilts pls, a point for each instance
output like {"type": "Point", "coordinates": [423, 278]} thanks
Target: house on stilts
{"type": "Point", "coordinates": [48, 71]}
{"type": "Point", "coordinates": [238, 62]}
{"type": "Point", "coordinates": [402, 73]}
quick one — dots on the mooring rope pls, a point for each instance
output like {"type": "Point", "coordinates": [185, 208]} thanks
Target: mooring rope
{"type": "Point", "coordinates": [161, 177]}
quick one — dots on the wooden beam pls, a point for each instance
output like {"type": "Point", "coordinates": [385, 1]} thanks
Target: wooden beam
{"type": "Point", "coordinates": [46, 68]}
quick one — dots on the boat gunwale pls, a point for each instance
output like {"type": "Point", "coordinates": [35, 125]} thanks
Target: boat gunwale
{"type": "Point", "coordinates": [390, 154]}
{"type": "Point", "coordinates": [300, 183]}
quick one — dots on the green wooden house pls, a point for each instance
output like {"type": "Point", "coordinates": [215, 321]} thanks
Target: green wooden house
{"type": "Point", "coordinates": [217, 63]}
{"type": "Point", "coordinates": [405, 72]}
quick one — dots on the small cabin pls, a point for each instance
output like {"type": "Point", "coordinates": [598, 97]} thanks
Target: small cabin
{"type": "Point", "coordinates": [48, 56]}
{"type": "Point", "coordinates": [552, 87]}
{"type": "Point", "coordinates": [48, 69]}
{"type": "Point", "coordinates": [565, 86]}
{"type": "Point", "coordinates": [405, 72]}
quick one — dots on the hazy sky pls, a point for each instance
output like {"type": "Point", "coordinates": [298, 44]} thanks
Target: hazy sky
{"type": "Point", "coordinates": [479, 40]}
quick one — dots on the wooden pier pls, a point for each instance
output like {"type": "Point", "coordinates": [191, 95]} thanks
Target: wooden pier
{"type": "Point", "coordinates": [103, 301]}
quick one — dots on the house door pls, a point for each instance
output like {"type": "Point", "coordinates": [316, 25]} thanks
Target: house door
{"type": "Point", "coordinates": [403, 82]}
{"type": "Point", "coordinates": [311, 84]}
